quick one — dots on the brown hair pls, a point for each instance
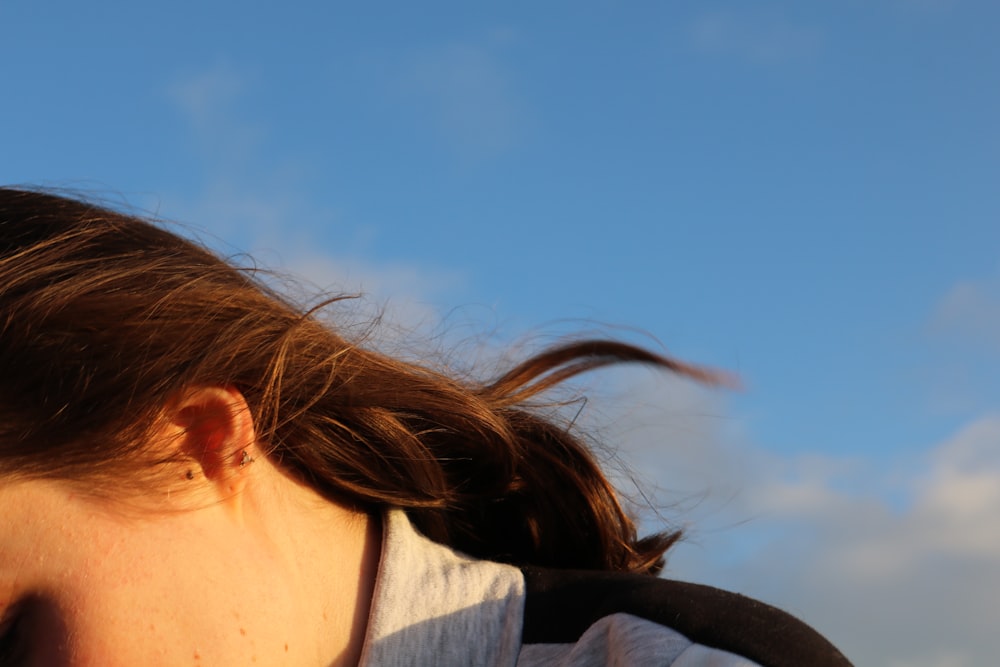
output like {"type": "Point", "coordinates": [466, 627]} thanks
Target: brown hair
{"type": "Point", "coordinates": [105, 316]}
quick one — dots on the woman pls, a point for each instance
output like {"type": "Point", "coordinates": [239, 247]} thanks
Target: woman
{"type": "Point", "coordinates": [193, 470]}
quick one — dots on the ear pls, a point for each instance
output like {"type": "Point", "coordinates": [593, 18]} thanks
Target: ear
{"type": "Point", "coordinates": [214, 432]}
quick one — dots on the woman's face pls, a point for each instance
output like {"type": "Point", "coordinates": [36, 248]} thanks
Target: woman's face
{"type": "Point", "coordinates": [234, 562]}
{"type": "Point", "coordinates": [83, 585]}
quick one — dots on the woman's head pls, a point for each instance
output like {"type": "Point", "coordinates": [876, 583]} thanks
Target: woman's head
{"type": "Point", "coordinates": [106, 320]}
{"type": "Point", "coordinates": [103, 318]}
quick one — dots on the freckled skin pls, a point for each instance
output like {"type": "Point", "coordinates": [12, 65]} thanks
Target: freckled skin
{"type": "Point", "coordinates": [164, 589]}
{"type": "Point", "coordinates": [106, 575]}
{"type": "Point", "coordinates": [230, 565]}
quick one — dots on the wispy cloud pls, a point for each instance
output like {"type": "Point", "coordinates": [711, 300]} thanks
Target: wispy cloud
{"type": "Point", "coordinates": [962, 334]}
{"type": "Point", "coordinates": [970, 310]}
{"type": "Point", "coordinates": [469, 95]}
{"type": "Point", "coordinates": [209, 101]}
{"type": "Point", "coordinates": [208, 94]}
{"type": "Point", "coordinates": [252, 196]}
{"type": "Point", "coordinates": [927, 5]}
{"type": "Point", "coordinates": [753, 37]}
{"type": "Point", "coordinates": [404, 297]}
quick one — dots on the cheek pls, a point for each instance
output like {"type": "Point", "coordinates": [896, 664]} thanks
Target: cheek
{"type": "Point", "coordinates": [139, 620]}
{"type": "Point", "coordinates": [140, 599]}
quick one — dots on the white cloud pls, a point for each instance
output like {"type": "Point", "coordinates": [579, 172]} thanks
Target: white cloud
{"type": "Point", "coordinates": [756, 38]}
{"type": "Point", "coordinates": [908, 584]}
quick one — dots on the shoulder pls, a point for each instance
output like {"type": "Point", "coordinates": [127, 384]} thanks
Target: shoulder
{"type": "Point", "coordinates": [562, 606]}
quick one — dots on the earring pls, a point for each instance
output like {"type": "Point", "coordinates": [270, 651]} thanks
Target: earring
{"type": "Point", "coordinates": [245, 459]}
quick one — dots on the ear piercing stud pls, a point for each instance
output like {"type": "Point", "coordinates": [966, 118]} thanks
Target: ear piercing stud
{"type": "Point", "coordinates": [245, 459]}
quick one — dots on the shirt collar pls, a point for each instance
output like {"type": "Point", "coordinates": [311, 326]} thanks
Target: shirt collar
{"type": "Point", "coordinates": [435, 606]}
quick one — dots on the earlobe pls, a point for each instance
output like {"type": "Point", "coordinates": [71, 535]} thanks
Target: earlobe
{"type": "Point", "coordinates": [214, 431]}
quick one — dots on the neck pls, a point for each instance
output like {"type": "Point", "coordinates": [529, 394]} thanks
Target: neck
{"type": "Point", "coordinates": [331, 554]}
{"type": "Point", "coordinates": [357, 592]}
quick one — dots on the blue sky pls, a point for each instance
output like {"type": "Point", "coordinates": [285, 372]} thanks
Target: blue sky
{"type": "Point", "coordinates": [803, 193]}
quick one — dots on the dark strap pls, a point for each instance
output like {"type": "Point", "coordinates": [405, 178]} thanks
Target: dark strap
{"type": "Point", "coordinates": [562, 604]}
